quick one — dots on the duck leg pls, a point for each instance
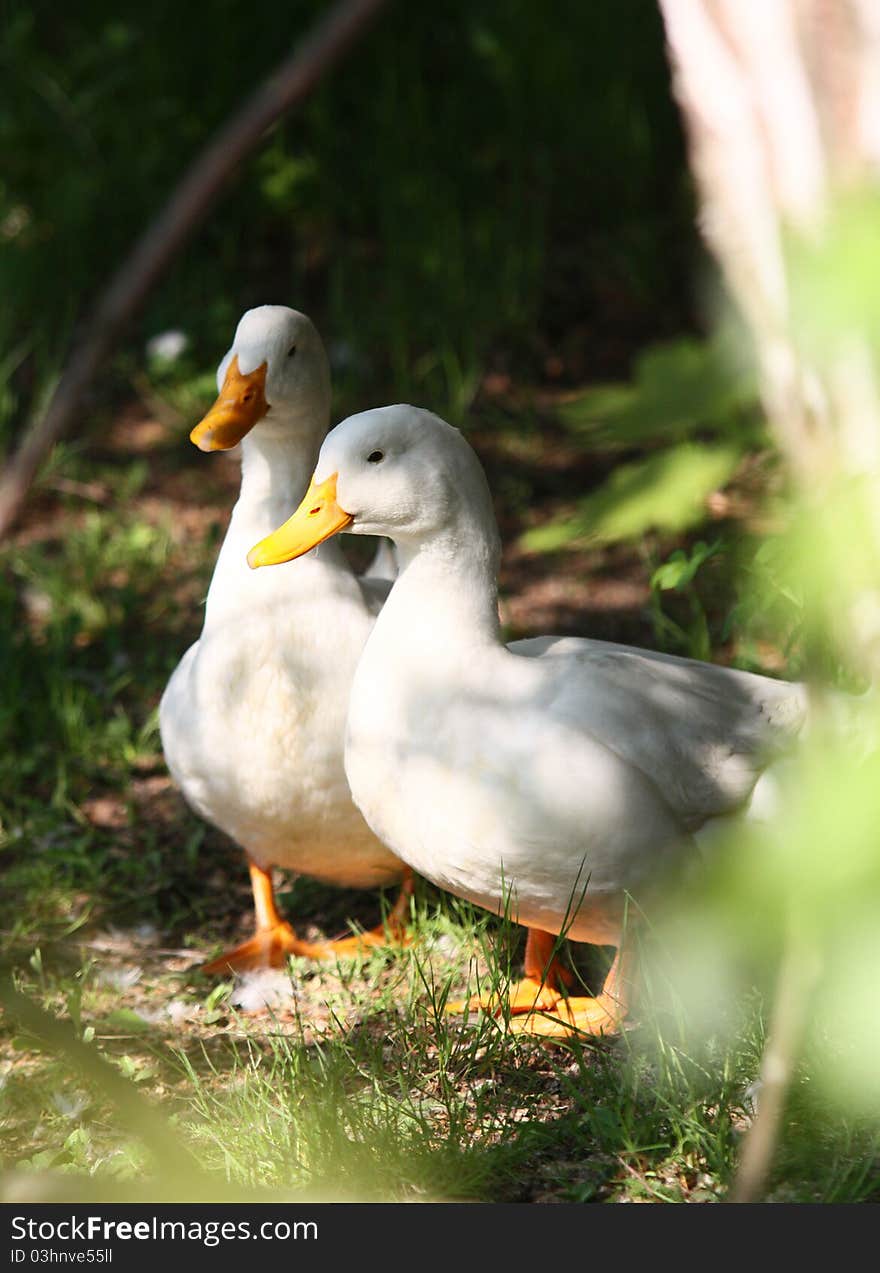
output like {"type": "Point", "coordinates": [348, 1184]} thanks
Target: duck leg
{"type": "Point", "coordinates": [391, 933]}
{"type": "Point", "coordinates": [538, 989]}
{"type": "Point", "coordinates": [274, 938]}
{"type": "Point", "coordinates": [603, 1014]}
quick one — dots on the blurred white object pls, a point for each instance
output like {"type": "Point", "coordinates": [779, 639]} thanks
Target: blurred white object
{"type": "Point", "coordinates": [120, 978]}
{"type": "Point", "coordinates": [262, 988]}
{"type": "Point", "coordinates": [69, 1106]}
{"type": "Point", "coordinates": [751, 1096]}
{"type": "Point", "coordinates": [179, 1011]}
{"type": "Point", "coordinates": [167, 346]}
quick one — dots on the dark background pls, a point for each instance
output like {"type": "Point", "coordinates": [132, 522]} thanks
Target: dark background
{"type": "Point", "coordinates": [488, 185]}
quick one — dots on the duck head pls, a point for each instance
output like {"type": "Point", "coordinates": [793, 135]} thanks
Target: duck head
{"type": "Point", "coordinates": [396, 471]}
{"type": "Point", "coordinates": [275, 373]}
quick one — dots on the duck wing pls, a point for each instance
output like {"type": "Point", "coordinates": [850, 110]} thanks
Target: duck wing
{"type": "Point", "coordinates": [702, 734]}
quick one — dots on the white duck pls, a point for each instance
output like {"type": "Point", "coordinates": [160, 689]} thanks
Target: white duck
{"type": "Point", "coordinates": [552, 780]}
{"type": "Point", "coordinates": [253, 718]}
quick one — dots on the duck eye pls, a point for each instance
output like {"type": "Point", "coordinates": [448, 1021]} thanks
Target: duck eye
{"type": "Point", "coordinates": [375, 457]}
{"type": "Point", "coordinates": [291, 351]}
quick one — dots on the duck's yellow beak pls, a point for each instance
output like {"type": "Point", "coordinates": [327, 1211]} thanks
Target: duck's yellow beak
{"type": "Point", "coordinates": [317, 518]}
{"type": "Point", "coordinates": [240, 404]}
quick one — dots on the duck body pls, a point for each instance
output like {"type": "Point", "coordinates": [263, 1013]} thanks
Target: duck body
{"type": "Point", "coordinates": [574, 772]}
{"type": "Point", "coordinates": [552, 780]}
{"type": "Point", "coordinates": [253, 718]}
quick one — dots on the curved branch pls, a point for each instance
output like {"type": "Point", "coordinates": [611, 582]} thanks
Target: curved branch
{"type": "Point", "coordinates": [290, 85]}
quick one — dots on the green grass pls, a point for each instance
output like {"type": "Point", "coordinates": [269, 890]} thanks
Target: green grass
{"type": "Point", "coordinates": [394, 1099]}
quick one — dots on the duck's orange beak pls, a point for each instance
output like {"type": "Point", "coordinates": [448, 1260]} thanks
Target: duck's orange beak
{"type": "Point", "coordinates": [240, 404]}
{"type": "Point", "coordinates": [317, 518]}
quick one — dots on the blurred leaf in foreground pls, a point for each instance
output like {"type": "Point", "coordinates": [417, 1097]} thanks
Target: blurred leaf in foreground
{"type": "Point", "coordinates": [836, 281]}
{"type": "Point", "coordinates": [812, 868]}
{"type": "Point", "coordinates": [665, 491]}
{"type": "Point", "coordinates": [678, 389]}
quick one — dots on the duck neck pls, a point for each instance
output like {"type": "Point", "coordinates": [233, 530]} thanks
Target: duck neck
{"type": "Point", "coordinates": [446, 596]}
{"type": "Point", "coordinates": [277, 460]}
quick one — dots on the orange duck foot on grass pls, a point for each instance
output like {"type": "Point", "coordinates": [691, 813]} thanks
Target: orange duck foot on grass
{"type": "Point", "coordinates": [583, 1015]}
{"type": "Point", "coordinates": [539, 989]}
{"type": "Point", "coordinates": [274, 939]}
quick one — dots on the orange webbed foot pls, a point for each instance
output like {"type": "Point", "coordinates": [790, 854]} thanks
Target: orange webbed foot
{"type": "Point", "coordinates": [360, 943]}
{"type": "Point", "coordinates": [392, 933]}
{"type": "Point", "coordinates": [268, 948]}
{"type": "Point", "coordinates": [275, 940]}
{"type": "Point", "coordinates": [523, 996]}
{"type": "Point", "coordinates": [538, 990]}
{"type": "Point", "coordinates": [571, 1017]}
{"type": "Point", "coordinates": [583, 1015]}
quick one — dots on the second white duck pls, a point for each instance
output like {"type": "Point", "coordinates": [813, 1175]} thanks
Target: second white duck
{"type": "Point", "coordinates": [253, 718]}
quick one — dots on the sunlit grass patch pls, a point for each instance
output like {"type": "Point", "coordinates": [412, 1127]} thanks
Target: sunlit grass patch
{"type": "Point", "coordinates": [359, 1084]}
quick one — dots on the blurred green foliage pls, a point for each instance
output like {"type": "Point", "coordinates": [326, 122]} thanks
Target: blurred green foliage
{"type": "Point", "coordinates": [466, 179]}
{"type": "Point", "coordinates": [811, 870]}
{"type": "Point", "coordinates": [678, 389]}
{"type": "Point", "coordinates": [677, 574]}
{"type": "Point", "coordinates": [835, 279]}
{"type": "Point", "coordinates": [689, 414]}
{"type": "Point", "coordinates": [664, 491]}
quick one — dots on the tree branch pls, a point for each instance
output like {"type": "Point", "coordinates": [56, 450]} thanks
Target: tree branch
{"type": "Point", "coordinates": [290, 85]}
{"type": "Point", "coordinates": [798, 974]}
